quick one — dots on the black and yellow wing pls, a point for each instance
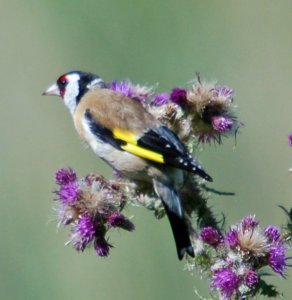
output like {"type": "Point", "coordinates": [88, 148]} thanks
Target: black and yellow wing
{"type": "Point", "coordinates": [158, 144]}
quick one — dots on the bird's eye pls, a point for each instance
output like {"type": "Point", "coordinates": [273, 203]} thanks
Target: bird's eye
{"type": "Point", "coordinates": [62, 83]}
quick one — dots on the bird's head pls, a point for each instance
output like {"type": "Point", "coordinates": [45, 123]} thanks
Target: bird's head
{"type": "Point", "coordinates": [72, 86]}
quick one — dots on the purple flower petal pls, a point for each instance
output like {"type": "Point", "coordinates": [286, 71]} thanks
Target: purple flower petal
{"type": "Point", "coordinates": [101, 246]}
{"type": "Point", "coordinates": [64, 176]}
{"type": "Point", "coordinates": [123, 87]}
{"type": "Point", "coordinates": [69, 193]}
{"type": "Point", "coordinates": [116, 219]}
{"type": "Point", "coordinates": [210, 236]}
{"type": "Point", "coordinates": [136, 92]}
{"type": "Point", "coordinates": [226, 281]}
{"type": "Point", "coordinates": [221, 123]}
{"type": "Point", "coordinates": [83, 232]}
{"type": "Point", "coordinates": [161, 99]}
{"type": "Point", "coordinates": [178, 95]}
{"type": "Point", "coordinates": [231, 238]}
{"type": "Point", "coordinates": [251, 278]}
{"type": "Point", "coordinates": [224, 91]}
{"type": "Point", "coordinates": [249, 222]}
{"type": "Point", "coordinates": [277, 259]}
{"type": "Point", "coordinates": [273, 233]}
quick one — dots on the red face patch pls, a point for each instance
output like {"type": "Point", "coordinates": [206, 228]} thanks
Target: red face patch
{"type": "Point", "coordinates": [62, 83]}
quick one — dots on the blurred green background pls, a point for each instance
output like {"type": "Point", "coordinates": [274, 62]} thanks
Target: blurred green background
{"type": "Point", "coordinates": [244, 44]}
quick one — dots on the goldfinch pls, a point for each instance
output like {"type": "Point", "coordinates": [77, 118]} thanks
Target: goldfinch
{"type": "Point", "coordinates": [125, 135]}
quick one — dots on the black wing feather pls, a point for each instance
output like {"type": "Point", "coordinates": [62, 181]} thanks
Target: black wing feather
{"type": "Point", "coordinates": [161, 140]}
{"type": "Point", "coordinates": [167, 143]}
{"type": "Point", "coordinates": [103, 133]}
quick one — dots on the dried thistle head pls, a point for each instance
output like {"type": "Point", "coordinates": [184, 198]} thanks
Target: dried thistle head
{"type": "Point", "coordinates": [202, 113]}
{"type": "Point", "coordinates": [210, 108]}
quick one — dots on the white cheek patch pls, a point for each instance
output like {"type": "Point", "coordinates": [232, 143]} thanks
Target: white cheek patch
{"type": "Point", "coordinates": [72, 91]}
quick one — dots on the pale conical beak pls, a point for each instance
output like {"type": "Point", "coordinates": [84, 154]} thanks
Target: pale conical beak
{"type": "Point", "coordinates": [53, 90]}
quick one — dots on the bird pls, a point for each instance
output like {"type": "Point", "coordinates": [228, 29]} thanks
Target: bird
{"type": "Point", "coordinates": [133, 142]}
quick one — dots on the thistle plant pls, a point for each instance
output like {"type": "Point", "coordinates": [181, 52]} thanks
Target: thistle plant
{"type": "Point", "coordinates": [92, 207]}
{"type": "Point", "coordinates": [234, 259]}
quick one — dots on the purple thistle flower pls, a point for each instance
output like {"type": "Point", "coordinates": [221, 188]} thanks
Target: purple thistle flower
{"type": "Point", "coordinates": [290, 139]}
{"type": "Point", "coordinates": [277, 259]}
{"type": "Point", "coordinates": [83, 232]}
{"type": "Point", "coordinates": [69, 193]}
{"type": "Point", "coordinates": [222, 123]}
{"type": "Point", "coordinates": [224, 91]}
{"type": "Point", "coordinates": [249, 222]}
{"type": "Point", "coordinates": [161, 99]}
{"type": "Point", "coordinates": [273, 234]}
{"type": "Point", "coordinates": [64, 176]}
{"type": "Point", "coordinates": [101, 246]}
{"type": "Point", "coordinates": [226, 281]}
{"type": "Point", "coordinates": [251, 278]}
{"type": "Point", "coordinates": [210, 236]}
{"type": "Point", "coordinates": [137, 92]}
{"type": "Point", "coordinates": [116, 219]}
{"type": "Point", "coordinates": [123, 87]}
{"type": "Point", "coordinates": [231, 238]}
{"type": "Point", "coordinates": [178, 95]}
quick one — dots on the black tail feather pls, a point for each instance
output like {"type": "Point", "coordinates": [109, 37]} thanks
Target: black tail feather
{"type": "Point", "coordinates": [203, 174]}
{"type": "Point", "coordinates": [180, 234]}
{"type": "Point", "coordinates": [174, 211]}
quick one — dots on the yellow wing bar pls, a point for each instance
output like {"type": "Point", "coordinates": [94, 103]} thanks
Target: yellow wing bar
{"type": "Point", "coordinates": [125, 135]}
{"type": "Point", "coordinates": [131, 139]}
{"type": "Point", "coordinates": [144, 153]}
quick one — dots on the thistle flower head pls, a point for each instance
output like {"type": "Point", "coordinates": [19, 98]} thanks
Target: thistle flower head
{"type": "Point", "coordinates": [178, 96]}
{"type": "Point", "coordinates": [69, 193]}
{"type": "Point", "coordinates": [231, 238]}
{"type": "Point", "coordinates": [251, 278]}
{"type": "Point", "coordinates": [124, 87]}
{"type": "Point", "coordinates": [134, 91]}
{"type": "Point", "coordinates": [211, 107]}
{"type": "Point", "coordinates": [201, 113]}
{"type": "Point", "coordinates": [226, 281]}
{"type": "Point", "coordinates": [64, 176]}
{"type": "Point", "coordinates": [273, 233]}
{"type": "Point", "coordinates": [235, 263]}
{"type": "Point", "coordinates": [91, 206]}
{"type": "Point", "coordinates": [83, 232]}
{"type": "Point", "coordinates": [222, 123]}
{"type": "Point", "coordinates": [277, 258]}
{"type": "Point", "coordinates": [252, 241]}
{"type": "Point", "coordinates": [223, 92]}
{"type": "Point", "coordinates": [116, 219]}
{"type": "Point", "coordinates": [161, 99]}
{"type": "Point", "coordinates": [210, 236]}
{"type": "Point", "coordinates": [101, 247]}
{"type": "Point", "coordinates": [248, 223]}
